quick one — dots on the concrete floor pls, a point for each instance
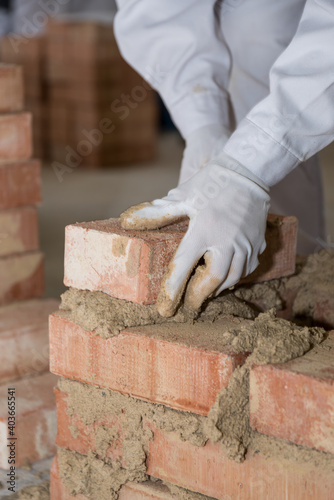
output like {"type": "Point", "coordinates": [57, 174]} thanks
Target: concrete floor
{"type": "Point", "coordinates": [86, 195]}
{"type": "Point", "coordinates": [31, 475]}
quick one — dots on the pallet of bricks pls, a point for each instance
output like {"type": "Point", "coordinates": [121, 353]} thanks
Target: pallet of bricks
{"type": "Point", "coordinates": [27, 409]}
{"type": "Point", "coordinates": [30, 54]}
{"type": "Point", "coordinates": [232, 403]}
{"type": "Point", "coordinates": [101, 112]}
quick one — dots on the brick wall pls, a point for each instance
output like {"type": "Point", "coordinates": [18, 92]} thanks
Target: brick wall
{"type": "Point", "coordinates": [156, 387]}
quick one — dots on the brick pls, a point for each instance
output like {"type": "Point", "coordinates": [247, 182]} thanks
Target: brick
{"type": "Point", "coordinates": [279, 258]}
{"type": "Point", "coordinates": [204, 469]}
{"type": "Point", "coordinates": [31, 57]}
{"type": "Point", "coordinates": [15, 137]}
{"type": "Point", "coordinates": [295, 400]}
{"type": "Point", "coordinates": [147, 490]}
{"type": "Point", "coordinates": [22, 277]}
{"type": "Point", "coordinates": [85, 44]}
{"type": "Point", "coordinates": [207, 471]}
{"type": "Point", "coordinates": [323, 310]}
{"type": "Point", "coordinates": [83, 441]}
{"type": "Point", "coordinates": [125, 264]}
{"type": "Point", "coordinates": [108, 157]}
{"type": "Point", "coordinates": [35, 422]}
{"type": "Point", "coordinates": [69, 121]}
{"type": "Point", "coordinates": [24, 348]}
{"type": "Point", "coordinates": [11, 90]}
{"type": "Point", "coordinates": [16, 50]}
{"type": "Point", "coordinates": [20, 184]}
{"type": "Point", "coordinates": [93, 93]}
{"type": "Point", "coordinates": [181, 366]}
{"type": "Point", "coordinates": [57, 490]}
{"type": "Point", "coordinates": [18, 231]}
{"type": "Point", "coordinates": [101, 256]}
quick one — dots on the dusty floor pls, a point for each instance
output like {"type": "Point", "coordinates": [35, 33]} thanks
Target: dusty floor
{"type": "Point", "coordinates": [86, 195]}
{"type": "Point", "coordinates": [26, 476]}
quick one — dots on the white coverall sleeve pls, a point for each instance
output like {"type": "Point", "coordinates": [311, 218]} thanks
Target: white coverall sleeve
{"type": "Point", "coordinates": [296, 120]}
{"type": "Point", "coordinates": [177, 46]}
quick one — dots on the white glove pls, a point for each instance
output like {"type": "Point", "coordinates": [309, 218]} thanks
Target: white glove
{"type": "Point", "coordinates": [227, 206]}
{"type": "Point", "coordinates": [201, 146]}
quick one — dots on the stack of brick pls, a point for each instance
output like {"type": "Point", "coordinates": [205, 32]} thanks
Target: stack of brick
{"type": "Point", "coordinates": [90, 108]}
{"type": "Point", "coordinates": [137, 392]}
{"type": "Point", "coordinates": [27, 409]}
{"type": "Point", "coordinates": [101, 111]}
{"type": "Point", "coordinates": [30, 54]}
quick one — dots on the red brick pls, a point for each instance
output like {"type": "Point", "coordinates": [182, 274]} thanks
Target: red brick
{"type": "Point", "coordinates": [30, 57]}
{"type": "Point", "coordinates": [295, 400]}
{"type": "Point", "coordinates": [22, 277]}
{"type": "Point", "coordinates": [204, 469]}
{"type": "Point", "coordinates": [11, 90]}
{"type": "Point", "coordinates": [207, 471]}
{"type": "Point", "coordinates": [130, 491]}
{"type": "Point", "coordinates": [181, 366]}
{"type": "Point", "coordinates": [12, 49]}
{"type": "Point", "coordinates": [57, 489]}
{"type": "Point", "coordinates": [20, 184]}
{"type": "Point", "coordinates": [130, 264]}
{"type": "Point", "coordinates": [35, 422]}
{"type": "Point", "coordinates": [24, 348]}
{"type": "Point", "coordinates": [15, 137]}
{"type": "Point", "coordinates": [279, 258]}
{"type": "Point", "coordinates": [84, 439]}
{"type": "Point", "coordinates": [323, 310]}
{"type": "Point", "coordinates": [18, 231]}
{"type": "Point", "coordinates": [125, 264]}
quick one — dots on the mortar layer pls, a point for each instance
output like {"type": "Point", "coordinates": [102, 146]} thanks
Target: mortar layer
{"type": "Point", "coordinates": [106, 316]}
{"type": "Point", "coordinates": [94, 479]}
{"type": "Point", "coordinates": [315, 281]}
{"type": "Point", "coordinates": [183, 494]}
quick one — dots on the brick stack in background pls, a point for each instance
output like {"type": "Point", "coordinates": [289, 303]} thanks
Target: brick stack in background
{"type": "Point", "coordinates": [73, 75]}
{"type": "Point", "coordinates": [23, 314]}
{"type": "Point", "coordinates": [30, 54]}
{"type": "Point", "coordinates": [86, 76]}
{"type": "Point", "coordinates": [135, 389]}
{"type": "Point", "coordinates": [21, 263]}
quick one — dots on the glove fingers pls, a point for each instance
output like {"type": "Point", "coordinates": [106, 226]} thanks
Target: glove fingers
{"type": "Point", "coordinates": [152, 215]}
{"type": "Point", "coordinates": [263, 246]}
{"type": "Point", "coordinates": [207, 279]}
{"type": "Point", "coordinates": [236, 272]}
{"type": "Point", "coordinates": [178, 272]}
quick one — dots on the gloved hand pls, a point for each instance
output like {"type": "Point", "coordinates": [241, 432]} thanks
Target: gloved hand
{"type": "Point", "coordinates": [201, 146]}
{"type": "Point", "coordinates": [227, 206]}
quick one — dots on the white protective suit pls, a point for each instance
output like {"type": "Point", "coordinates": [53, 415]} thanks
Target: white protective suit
{"type": "Point", "coordinates": [271, 63]}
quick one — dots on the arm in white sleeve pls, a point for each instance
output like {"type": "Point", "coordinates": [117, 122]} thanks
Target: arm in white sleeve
{"type": "Point", "coordinates": [177, 46]}
{"type": "Point", "coordinates": [296, 120]}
